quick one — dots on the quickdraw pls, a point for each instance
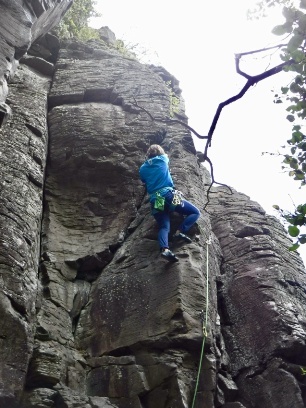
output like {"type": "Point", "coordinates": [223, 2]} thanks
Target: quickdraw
{"type": "Point", "coordinates": [177, 198]}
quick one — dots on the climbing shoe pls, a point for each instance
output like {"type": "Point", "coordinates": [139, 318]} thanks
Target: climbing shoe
{"type": "Point", "coordinates": [168, 255]}
{"type": "Point", "coordinates": [181, 237]}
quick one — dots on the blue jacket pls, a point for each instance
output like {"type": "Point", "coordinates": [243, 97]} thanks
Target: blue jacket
{"type": "Point", "coordinates": [156, 175]}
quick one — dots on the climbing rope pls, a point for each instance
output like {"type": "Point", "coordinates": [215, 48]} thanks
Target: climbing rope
{"type": "Point", "coordinates": [204, 319]}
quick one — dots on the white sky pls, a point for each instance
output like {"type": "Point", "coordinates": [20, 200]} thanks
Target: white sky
{"type": "Point", "coordinates": [196, 42]}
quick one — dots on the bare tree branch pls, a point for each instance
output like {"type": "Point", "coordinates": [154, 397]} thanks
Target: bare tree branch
{"type": "Point", "coordinates": [169, 120]}
{"type": "Point", "coordinates": [242, 54]}
{"type": "Point", "coordinates": [251, 80]}
{"type": "Point", "coordinates": [213, 181]}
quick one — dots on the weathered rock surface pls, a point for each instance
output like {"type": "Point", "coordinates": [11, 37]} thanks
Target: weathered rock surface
{"type": "Point", "coordinates": [262, 297]}
{"type": "Point", "coordinates": [143, 313]}
{"type": "Point", "coordinates": [96, 319]}
{"type": "Point", "coordinates": [21, 23]}
{"type": "Point", "coordinates": [23, 145]}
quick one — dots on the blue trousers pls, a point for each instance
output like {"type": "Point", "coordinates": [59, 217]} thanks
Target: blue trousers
{"type": "Point", "coordinates": [187, 209]}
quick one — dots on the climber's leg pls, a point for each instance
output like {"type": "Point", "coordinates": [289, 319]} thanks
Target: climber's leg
{"type": "Point", "coordinates": [163, 220]}
{"type": "Point", "coordinates": [191, 213]}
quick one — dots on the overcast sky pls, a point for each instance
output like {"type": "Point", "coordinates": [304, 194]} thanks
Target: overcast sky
{"type": "Point", "coordinates": [196, 42]}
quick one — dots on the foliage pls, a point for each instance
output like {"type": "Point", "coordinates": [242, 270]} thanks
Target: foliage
{"type": "Point", "coordinates": [137, 52]}
{"type": "Point", "coordinates": [295, 221]}
{"type": "Point", "coordinates": [174, 100]}
{"type": "Point", "coordinates": [75, 22]}
{"type": "Point", "coordinates": [262, 7]}
{"type": "Point", "coordinates": [293, 29]}
{"type": "Point", "coordinates": [125, 50]}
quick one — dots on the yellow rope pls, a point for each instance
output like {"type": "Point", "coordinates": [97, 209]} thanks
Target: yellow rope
{"type": "Point", "coordinates": [204, 327]}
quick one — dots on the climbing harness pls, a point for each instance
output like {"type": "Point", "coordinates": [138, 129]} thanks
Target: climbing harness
{"type": "Point", "coordinates": [160, 203]}
{"type": "Point", "coordinates": [204, 319]}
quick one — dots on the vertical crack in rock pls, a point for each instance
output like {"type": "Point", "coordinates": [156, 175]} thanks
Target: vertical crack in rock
{"type": "Point", "coordinates": [22, 161]}
{"type": "Point", "coordinates": [261, 297]}
{"type": "Point", "coordinates": [20, 218]}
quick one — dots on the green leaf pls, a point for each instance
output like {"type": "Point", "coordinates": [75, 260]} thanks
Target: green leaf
{"type": "Point", "coordinates": [284, 89]}
{"type": "Point", "coordinates": [295, 42]}
{"type": "Point", "coordinates": [291, 118]}
{"type": "Point", "coordinates": [299, 80]}
{"type": "Point", "coordinates": [293, 231]}
{"type": "Point", "coordinates": [294, 164]}
{"type": "Point", "coordinates": [303, 4]}
{"type": "Point", "coordinates": [294, 87]}
{"type": "Point", "coordinates": [297, 136]}
{"type": "Point", "coordinates": [281, 29]}
{"type": "Point", "coordinates": [298, 55]}
{"type": "Point", "coordinates": [302, 209]}
{"type": "Point", "coordinates": [296, 127]}
{"type": "Point", "coordinates": [294, 247]}
{"type": "Point", "coordinates": [289, 14]}
{"type": "Point", "coordinates": [299, 175]}
{"type": "Point", "coordinates": [301, 20]}
{"type": "Point", "coordinates": [302, 239]}
{"type": "Point", "coordinates": [299, 220]}
{"type": "Point", "coordinates": [290, 219]}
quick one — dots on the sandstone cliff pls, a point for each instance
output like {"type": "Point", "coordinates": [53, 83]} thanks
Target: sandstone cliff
{"type": "Point", "coordinates": [22, 22]}
{"type": "Point", "coordinates": [90, 315]}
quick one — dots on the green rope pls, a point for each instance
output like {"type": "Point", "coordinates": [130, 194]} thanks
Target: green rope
{"type": "Point", "coordinates": [204, 326]}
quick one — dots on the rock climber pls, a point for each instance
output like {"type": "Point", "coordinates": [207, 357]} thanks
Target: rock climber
{"type": "Point", "coordinates": [164, 199]}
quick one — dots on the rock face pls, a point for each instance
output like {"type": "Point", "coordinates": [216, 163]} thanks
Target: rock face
{"type": "Point", "coordinates": [23, 148]}
{"type": "Point", "coordinates": [135, 319]}
{"type": "Point", "coordinates": [23, 144]}
{"type": "Point", "coordinates": [91, 316]}
{"type": "Point", "coordinates": [262, 295]}
{"type": "Point", "coordinates": [21, 23]}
